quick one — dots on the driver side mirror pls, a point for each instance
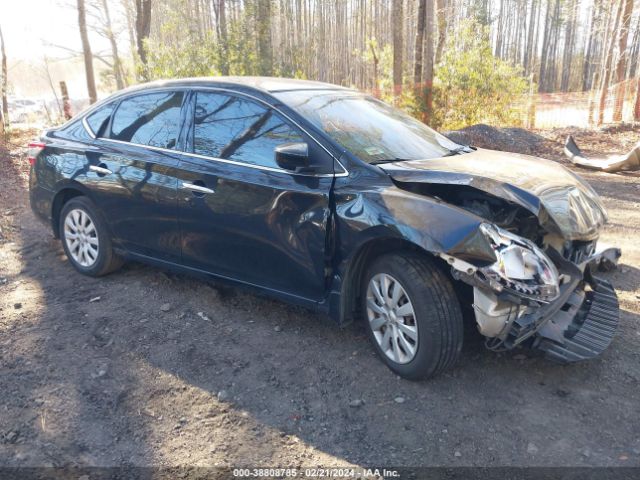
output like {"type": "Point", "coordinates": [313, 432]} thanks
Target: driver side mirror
{"type": "Point", "coordinates": [293, 157]}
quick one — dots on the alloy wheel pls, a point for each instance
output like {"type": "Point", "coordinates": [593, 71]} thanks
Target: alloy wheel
{"type": "Point", "coordinates": [81, 237]}
{"type": "Point", "coordinates": [392, 318]}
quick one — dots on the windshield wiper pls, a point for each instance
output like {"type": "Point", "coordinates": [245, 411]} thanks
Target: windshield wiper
{"type": "Point", "coordinates": [457, 151]}
{"type": "Point", "coordinates": [390, 160]}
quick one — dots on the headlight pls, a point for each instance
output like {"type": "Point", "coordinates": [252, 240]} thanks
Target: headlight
{"type": "Point", "coordinates": [521, 267]}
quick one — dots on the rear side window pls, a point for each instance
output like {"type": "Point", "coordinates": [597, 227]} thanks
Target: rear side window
{"type": "Point", "coordinates": [98, 120]}
{"type": "Point", "coordinates": [235, 128]}
{"type": "Point", "coordinates": [152, 119]}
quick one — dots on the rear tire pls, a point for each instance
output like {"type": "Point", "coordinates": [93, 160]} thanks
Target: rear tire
{"type": "Point", "coordinates": [86, 239]}
{"type": "Point", "coordinates": [417, 330]}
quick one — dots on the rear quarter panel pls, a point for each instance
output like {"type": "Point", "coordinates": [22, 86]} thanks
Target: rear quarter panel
{"type": "Point", "coordinates": [62, 164]}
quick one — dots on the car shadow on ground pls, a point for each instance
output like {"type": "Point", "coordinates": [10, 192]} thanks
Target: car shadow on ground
{"type": "Point", "coordinates": [227, 375]}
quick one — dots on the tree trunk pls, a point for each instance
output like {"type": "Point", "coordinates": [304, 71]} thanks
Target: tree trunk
{"type": "Point", "coordinates": [427, 76]}
{"type": "Point", "coordinates": [143, 30]}
{"type": "Point", "coordinates": [265, 48]}
{"type": "Point", "coordinates": [567, 56]}
{"type": "Point", "coordinates": [586, 65]}
{"type": "Point", "coordinates": [606, 68]}
{"type": "Point", "coordinates": [86, 50]}
{"type": "Point", "coordinates": [118, 70]}
{"type": "Point", "coordinates": [128, 12]}
{"type": "Point", "coordinates": [621, 66]}
{"type": "Point", "coordinates": [635, 50]}
{"type": "Point", "coordinates": [499, 32]}
{"type": "Point", "coordinates": [4, 118]}
{"type": "Point", "coordinates": [636, 106]}
{"type": "Point", "coordinates": [528, 50]}
{"type": "Point", "coordinates": [222, 22]}
{"type": "Point", "coordinates": [542, 76]}
{"type": "Point", "coordinates": [552, 58]}
{"type": "Point", "coordinates": [417, 66]}
{"type": "Point", "coordinates": [398, 18]}
{"type": "Point", "coordinates": [441, 15]}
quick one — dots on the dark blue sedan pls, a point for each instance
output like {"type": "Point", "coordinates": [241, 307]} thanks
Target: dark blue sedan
{"type": "Point", "coordinates": [331, 199]}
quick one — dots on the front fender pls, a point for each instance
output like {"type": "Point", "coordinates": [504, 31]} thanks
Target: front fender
{"type": "Point", "coordinates": [371, 222]}
{"type": "Point", "coordinates": [426, 222]}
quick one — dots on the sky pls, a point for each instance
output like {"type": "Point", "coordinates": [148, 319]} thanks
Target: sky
{"type": "Point", "coordinates": [35, 28]}
{"type": "Point", "coordinates": [30, 26]}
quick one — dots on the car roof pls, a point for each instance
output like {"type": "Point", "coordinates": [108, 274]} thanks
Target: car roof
{"type": "Point", "coordinates": [264, 84]}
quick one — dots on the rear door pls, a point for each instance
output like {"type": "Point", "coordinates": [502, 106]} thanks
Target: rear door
{"type": "Point", "coordinates": [242, 216]}
{"type": "Point", "coordinates": [134, 173]}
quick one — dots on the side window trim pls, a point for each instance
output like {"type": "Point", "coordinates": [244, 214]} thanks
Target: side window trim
{"type": "Point", "coordinates": [88, 128]}
{"type": "Point", "coordinates": [190, 146]}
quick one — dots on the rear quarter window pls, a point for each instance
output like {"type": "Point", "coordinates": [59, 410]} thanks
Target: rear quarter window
{"type": "Point", "coordinates": [74, 131]}
{"type": "Point", "coordinates": [99, 119]}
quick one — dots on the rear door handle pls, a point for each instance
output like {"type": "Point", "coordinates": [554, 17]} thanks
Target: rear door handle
{"type": "Point", "coordinates": [100, 170]}
{"type": "Point", "coordinates": [196, 188]}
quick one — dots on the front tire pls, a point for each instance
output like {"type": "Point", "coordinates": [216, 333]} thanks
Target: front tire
{"type": "Point", "coordinates": [86, 239]}
{"type": "Point", "coordinates": [412, 315]}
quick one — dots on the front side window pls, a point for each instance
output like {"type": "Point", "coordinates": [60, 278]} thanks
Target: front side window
{"type": "Point", "coordinates": [151, 119]}
{"type": "Point", "coordinates": [98, 120]}
{"type": "Point", "coordinates": [235, 128]}
{"type": "Point", "coordinates": [370, 129]}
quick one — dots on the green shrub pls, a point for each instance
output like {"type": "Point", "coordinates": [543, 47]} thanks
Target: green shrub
{"type": "Point", "coordinates": [472, 86]}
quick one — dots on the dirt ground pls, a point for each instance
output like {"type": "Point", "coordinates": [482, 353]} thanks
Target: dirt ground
{"type": "Point", "coordinates": [144, 367]}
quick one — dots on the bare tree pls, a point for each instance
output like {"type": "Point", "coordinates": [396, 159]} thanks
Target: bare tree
{"type": "Point", "coordinates": [86, 50]}
{"type": "Point", "coordinates": [107, 31]}
{"type": "Point", "coordinates": [51, 85]}
{"type": "Point", "coordinates": [546, 36]}
{"type": "Point", "coordinates": [590, 45]}
{"type": "Point", "coordinates": [265, 47]}
{"type": "Point", "coordinates": [363, 42]}
{"type": "Point", "coordinates": [636, 103]}
{"type": "Point", "coordinates": [128, 8]}
{"type": "Point", "coordinates": [569, 41]}
{"type": "Point", "coordinates": [418, 47]}
{"type": "Point", "coordinates": [441, 14]}
{"type": "Point", "coordinates": [222, 36]}
{"type": "Point", "coordinates": [427, 73]}
{"type": "Point", "coordinates": [621, 65]}
{"type": "Point", "coordinates": [606, 65]}
{"type": "Point", "coordinates": [4, 118]}
{"type": "Point", "coordinates": [143, 30]}
{"type": "Point", "coordinates": [529, 48]}
{"type": "Point", "coordinates": [398, 17]}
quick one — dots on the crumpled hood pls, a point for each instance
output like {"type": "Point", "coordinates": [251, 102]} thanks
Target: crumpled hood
{"type": "Point", "coordinates": [562, 201]}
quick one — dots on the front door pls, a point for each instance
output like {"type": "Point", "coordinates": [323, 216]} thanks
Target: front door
{"type": "Point", "coordinates": [242, 216]}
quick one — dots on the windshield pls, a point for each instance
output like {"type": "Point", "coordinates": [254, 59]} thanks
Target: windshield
{"type": "Point", "coordinates": [370, 129]}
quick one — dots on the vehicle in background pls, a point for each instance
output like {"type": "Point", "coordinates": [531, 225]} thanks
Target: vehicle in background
{"type": "Point", "coordinates": [25, 110]}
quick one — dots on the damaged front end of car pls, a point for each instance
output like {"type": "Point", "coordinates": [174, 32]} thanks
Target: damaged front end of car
{"type": "Point", "coordinates": [533, 263]}
{"type": "Point", "coordinates": [541, 299]}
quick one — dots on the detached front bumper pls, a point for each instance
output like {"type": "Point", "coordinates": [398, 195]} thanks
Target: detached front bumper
{"type": "Point", "coordinates": [578, 325]}
{"type": "Point", "coordinates": [584, 326]}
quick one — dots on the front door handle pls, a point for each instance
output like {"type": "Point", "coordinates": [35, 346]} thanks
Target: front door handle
{"type": "Point", "coordinates": [196, 188]}
{"type": "Point", "coordinates": [100, 170]}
